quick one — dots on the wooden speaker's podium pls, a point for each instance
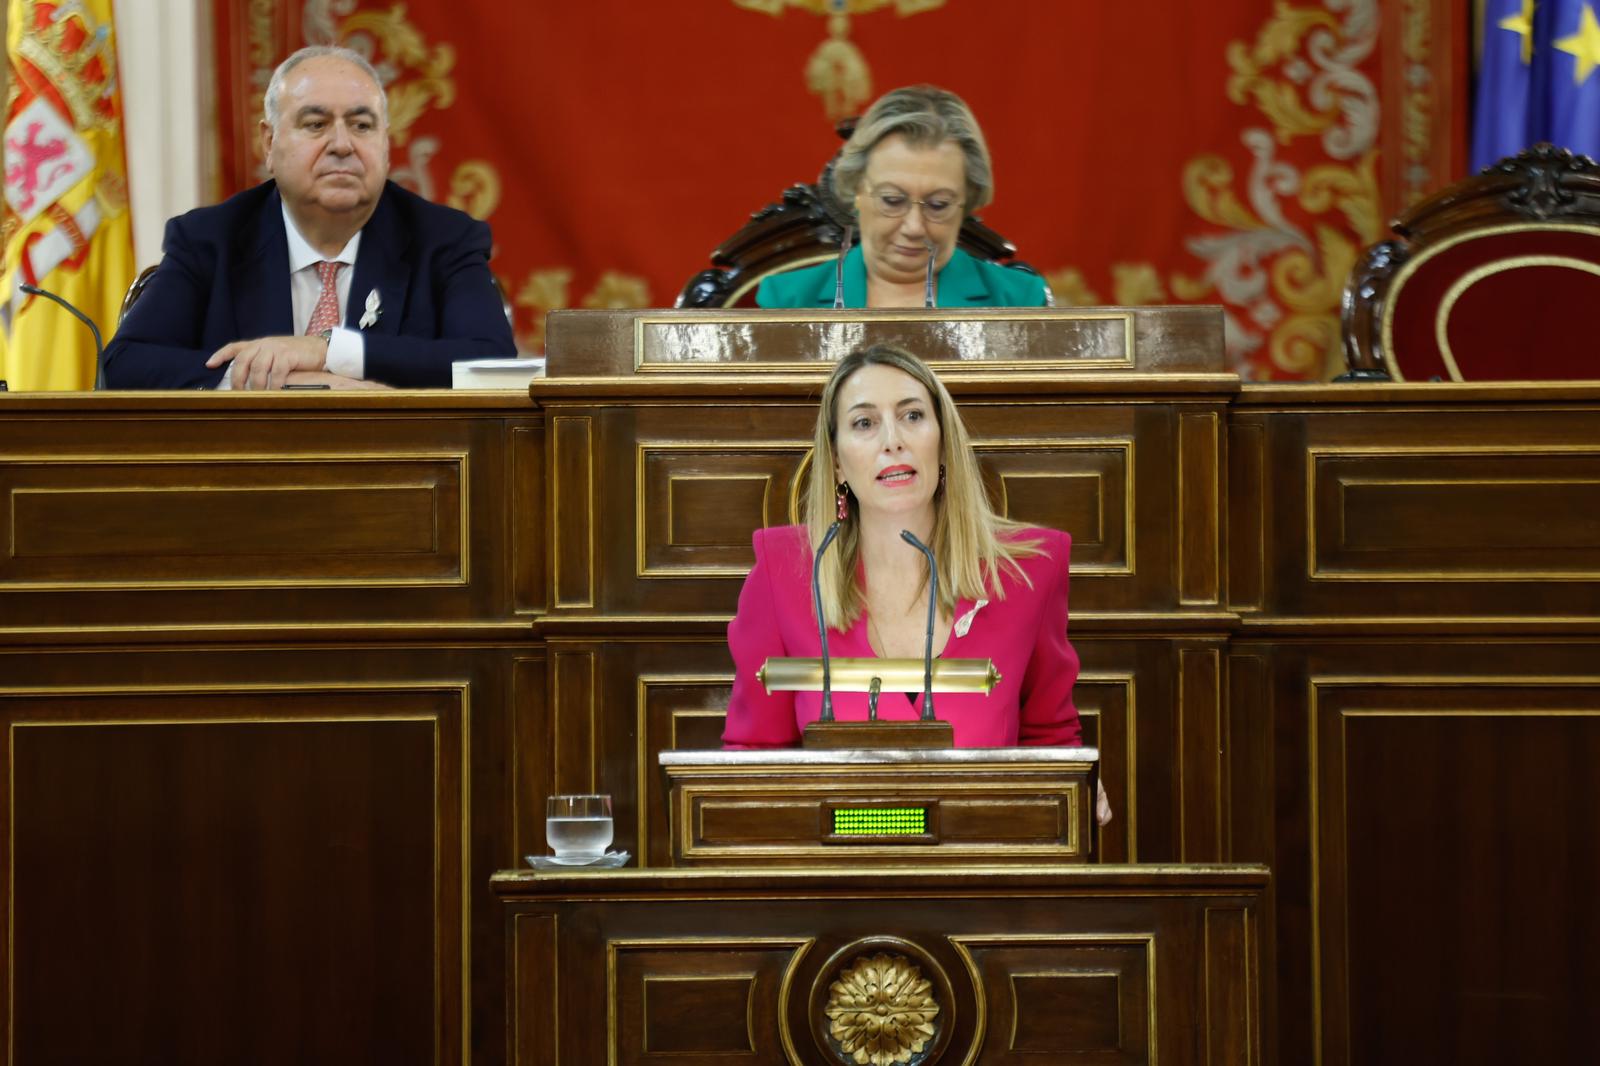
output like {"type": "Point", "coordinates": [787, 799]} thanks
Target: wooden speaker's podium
{"type": "Point", "coordinates": [867, 906]}
{"type": "Point", "coordinates": [830, 907]}
{"type": "Point", "coordinates": [993, 806]}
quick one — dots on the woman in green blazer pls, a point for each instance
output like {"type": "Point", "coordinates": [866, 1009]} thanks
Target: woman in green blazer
{"type": "Point", "coordinates": [915, 167]}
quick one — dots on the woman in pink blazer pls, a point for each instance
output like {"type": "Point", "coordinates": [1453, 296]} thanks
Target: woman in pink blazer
{"type": "Point", "coordinates": [900, 459]}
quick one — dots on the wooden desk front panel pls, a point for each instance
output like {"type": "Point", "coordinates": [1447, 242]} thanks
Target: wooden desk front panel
{"type": "Point", "coordinates": [654, 503]}
{"type": "Point", "coordinates": [172, 513]}
{"type": "Point", "coordinates": [1152, 705]}
{"type": "Point", "coordinates": [201, 843]}
{"type": "Point", "coordinates": [1129, 968]}
{"type": "Point", "coordinates": [1423, 513]}
{"type": "Point", "coordinates": [1431, 813]}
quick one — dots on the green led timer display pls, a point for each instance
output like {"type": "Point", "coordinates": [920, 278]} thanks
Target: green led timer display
{"type": "Point", "coordinates": [880, 821]}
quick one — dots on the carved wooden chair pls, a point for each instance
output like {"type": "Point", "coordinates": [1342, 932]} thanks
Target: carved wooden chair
{"type": "Point", "coordinates": [804, 227]}
{"type": "Point", "coordinates": [1495, 278]}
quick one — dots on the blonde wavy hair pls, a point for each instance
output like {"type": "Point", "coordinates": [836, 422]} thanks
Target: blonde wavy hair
{"type": "Point", "coordinates": [973, 544]}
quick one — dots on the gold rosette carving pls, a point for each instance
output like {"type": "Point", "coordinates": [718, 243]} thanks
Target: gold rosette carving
{"type": "Point", "coordinates": [881, 1011]}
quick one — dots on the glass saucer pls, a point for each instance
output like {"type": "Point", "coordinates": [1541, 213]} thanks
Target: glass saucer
{"type": "Point", "coordinates": [600, 862]}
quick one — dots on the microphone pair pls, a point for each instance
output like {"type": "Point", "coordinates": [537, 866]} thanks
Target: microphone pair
{"type": "Point", "coordinates": [838, 272]}
{"type": "Point", "coordinates": [822, 624]}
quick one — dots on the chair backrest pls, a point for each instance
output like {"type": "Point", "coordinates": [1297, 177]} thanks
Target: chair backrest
{"type": "Point", "coordinates": [135, 291]}
{"type": "Point", "coordinates": [803, 227]}
{"type": "Point", "coordinates": [1495, 278]}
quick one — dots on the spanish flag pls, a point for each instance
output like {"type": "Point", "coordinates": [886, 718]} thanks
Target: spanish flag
{"type": "Point", "coordinates": [66, 223]}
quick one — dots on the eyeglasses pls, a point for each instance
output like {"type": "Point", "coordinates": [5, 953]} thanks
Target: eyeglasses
{"type": "Point", "coordinates": [892, 203]}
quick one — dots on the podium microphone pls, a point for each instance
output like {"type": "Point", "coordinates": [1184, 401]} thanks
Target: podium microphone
{"type": "Point", "coordinates": [933, 600]}
{"type": "Point", "coordinates": [928, 301]}
{"type": "Point", "coordinates": [99, 346]}
{"type": "Point", "coordinates": [838, 269]}
{"type": "Point", "coordinates": [822, 624]}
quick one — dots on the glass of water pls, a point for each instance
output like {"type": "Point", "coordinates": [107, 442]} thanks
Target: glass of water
{"type": "Point", "coordinates": [578, 828]}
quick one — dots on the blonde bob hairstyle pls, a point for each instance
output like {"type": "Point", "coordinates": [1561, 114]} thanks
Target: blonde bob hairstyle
{"type": "Point", "coordinates": [972, 543]}
{"type": "Point", "coordinates": [926, 116]}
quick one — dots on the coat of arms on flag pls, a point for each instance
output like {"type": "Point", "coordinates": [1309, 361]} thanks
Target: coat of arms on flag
{"type": "Point", "coordinates": [66, 227]}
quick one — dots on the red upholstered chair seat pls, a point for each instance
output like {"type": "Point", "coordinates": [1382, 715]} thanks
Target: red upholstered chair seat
{"type": "Point", "coordinates": [1495, 279]}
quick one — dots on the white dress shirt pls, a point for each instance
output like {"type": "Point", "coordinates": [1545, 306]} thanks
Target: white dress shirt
{"type": "Point", "coordinates": [347, 351]}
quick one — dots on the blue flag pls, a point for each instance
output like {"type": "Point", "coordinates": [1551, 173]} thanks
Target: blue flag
{"type": "Point", "coordinates": [1540, 78]}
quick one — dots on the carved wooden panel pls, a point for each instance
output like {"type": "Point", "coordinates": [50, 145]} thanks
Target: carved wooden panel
{"type": "Point", "coordinates": [216, 836]}
{"type": "Point", "coordinates": [1433, 513]}
{"type": "Point", "coordinates": [1495, 775]}
{"type": "Point", "coordinates": [1092, 998]}
{"type": "Point", "coordinates": [695, 999]}
{"type": "Point", "coordinates": [1084, 488]}
{"type": "Point", "coordinates": [224, 847]}
{"type": "Point", "coordinates": [1455, 514]}
{"type": "Point", "coordinates": [1054, 341]}
{"type": "Point", "coordinates": [700, 502]}
{"type": "Point", "coordinates": [174, 514]}
{"type": "Point", "coordinates": [808, 967]}
{"type": "Point", "coordinates": [973, 813]}
{"type": "Point", "coordinates": [1433, 816]}
{"type": "Point", "coordinates": [530, 525]}
{"type": "Point", "coordinates": [216, 521]}
{"type": "Point", "coordinates": [1138, 487]}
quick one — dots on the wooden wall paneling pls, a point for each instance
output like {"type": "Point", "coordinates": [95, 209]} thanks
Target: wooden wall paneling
{"type": "Point", "coordinates": [679, 486]}
{"type": "Point", "coordinates": [209, 838]}
{"type": "Point", "coordinates": [1397, 511]}
{"type": "Point", "coordinates": [1202, 788]}
{"type": "Point", "coordinates": [1232, 987]}
{"type": "Point", "coordinates": [173, 515]}
{"type": "Point", "coordinates": [1201, 490]}
{"type": "Point", "coordinates": [1245, 537]}
{"type": "Point", "coordinates": [528, 532]}
{"type": "Point", "coordinates": [649, 692]}
{"type": "Point", "coordinates": [577, 703]}
{"type": "Point", "coordinates": [1435, 853]}
{"type": "Point", "coordinates": [533, 1022]}
{"type": "Point", "coordinates": [574, 521]}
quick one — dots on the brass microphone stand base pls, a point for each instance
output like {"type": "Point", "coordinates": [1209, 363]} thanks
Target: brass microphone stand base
{"type": "Point", "coordinates": [829, 736]}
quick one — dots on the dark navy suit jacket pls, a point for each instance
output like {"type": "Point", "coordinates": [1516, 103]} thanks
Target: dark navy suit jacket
{"type": "Point", "coordinates": [224, 277]}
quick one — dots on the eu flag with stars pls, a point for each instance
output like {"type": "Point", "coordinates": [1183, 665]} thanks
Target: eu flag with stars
{"type": "Point", "coordinates": [1539, 80]}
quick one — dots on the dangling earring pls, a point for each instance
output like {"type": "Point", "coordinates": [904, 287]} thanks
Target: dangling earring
{"type": "Point", "coordinates": [940, 487]}
{"type": "Point", "coordinates": [842, 497]}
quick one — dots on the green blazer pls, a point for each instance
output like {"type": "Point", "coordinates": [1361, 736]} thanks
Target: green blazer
{"type": "Point", "coordinates": [964, 282]}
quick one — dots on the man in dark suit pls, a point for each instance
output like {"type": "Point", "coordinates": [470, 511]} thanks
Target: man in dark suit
{"type": "Point", "coordinates": [328, 274]}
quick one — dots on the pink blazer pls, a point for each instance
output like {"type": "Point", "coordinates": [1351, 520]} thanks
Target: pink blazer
{"type": "Point", "coordinates": [1025, 634]}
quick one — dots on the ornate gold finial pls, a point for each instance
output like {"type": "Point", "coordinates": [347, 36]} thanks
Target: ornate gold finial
{"type": "Point", "coordinates": [837, 71]}
{"type": "Point", "coordinates": [881, 1011]}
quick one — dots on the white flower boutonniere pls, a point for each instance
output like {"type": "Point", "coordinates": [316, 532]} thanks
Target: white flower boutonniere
{"type": "Point", "coordinates": [964, 623]}
{"type": "Point", "coordinates": [374, 309]}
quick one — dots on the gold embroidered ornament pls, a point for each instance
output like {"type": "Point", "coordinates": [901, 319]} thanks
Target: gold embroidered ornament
{"type": "Point", "coordinates": [837, 71]}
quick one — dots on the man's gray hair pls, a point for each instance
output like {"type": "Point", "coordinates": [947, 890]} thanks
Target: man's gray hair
{"type": "Point", "coordinates": [274, 97]}
{"type": "Point", "coordinates": [926, 116]}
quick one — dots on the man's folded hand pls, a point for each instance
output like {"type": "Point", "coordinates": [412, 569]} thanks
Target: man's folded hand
{"type": "Point", "coordinates": [267, 362]}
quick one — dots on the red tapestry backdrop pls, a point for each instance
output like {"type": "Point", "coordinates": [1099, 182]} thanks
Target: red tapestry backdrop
{"type": "Point", "coordinates": [1239, 152]}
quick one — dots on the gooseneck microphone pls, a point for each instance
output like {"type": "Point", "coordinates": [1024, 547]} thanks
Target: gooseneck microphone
{"type": "Point", "coordinates": [822, 623]}
{"type": "Point", "coordinates": [928, 300]}
{"type": "Point", "coordinates": [933, 601]}
{"type": "Point", "coordinates": [838, 269]}
{"type": "Point", "coordinates": [99, 346]}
